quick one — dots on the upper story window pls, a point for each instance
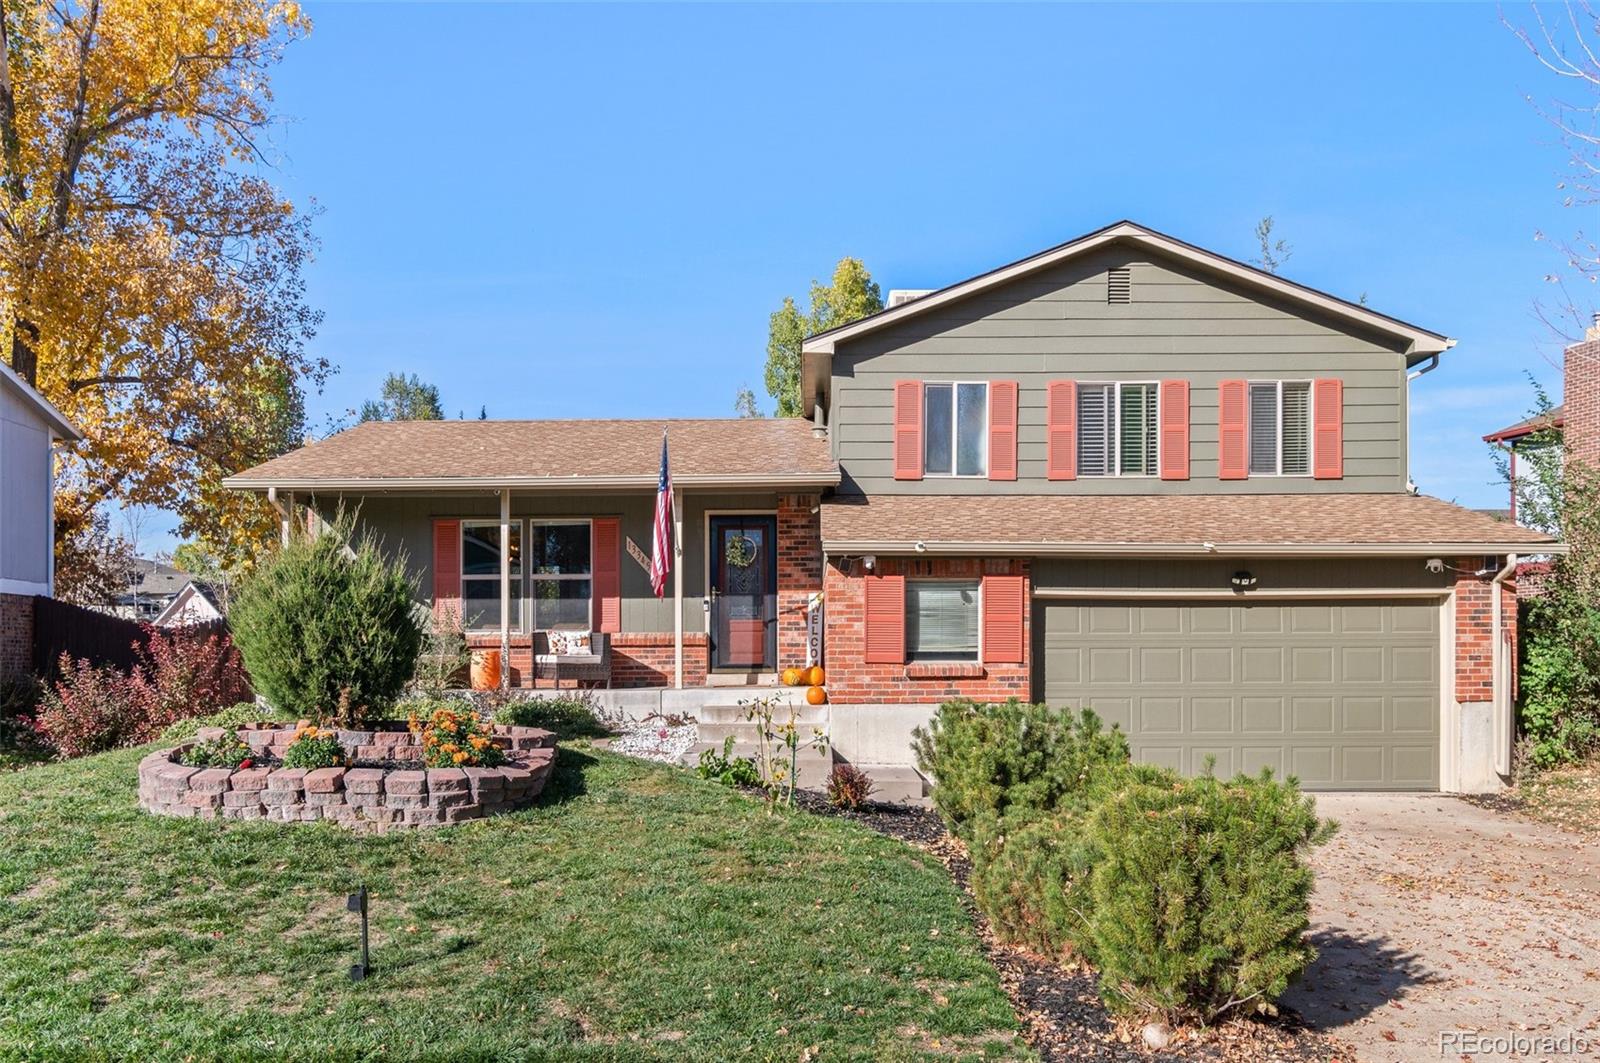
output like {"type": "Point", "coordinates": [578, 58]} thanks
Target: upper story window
{"type": "Point", "coordinates": [942, 619]}
{"type": "Point", "coordinates": [1280, 428]}
{"type": "Point", "coordinates": [955, 417]}
{"type": "Point", "coordinates": [1117, 429]}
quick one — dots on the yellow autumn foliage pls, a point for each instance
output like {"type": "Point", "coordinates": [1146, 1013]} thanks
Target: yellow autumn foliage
{"type": "Point", "coordinates": [150, 278]}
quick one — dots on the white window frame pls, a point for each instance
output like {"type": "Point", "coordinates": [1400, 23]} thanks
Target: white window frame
{"type": "Point", "coordinates": [529, 577]}
{"type": "Point", "coordinates": [1311, 428]}
{"type": "Point", "coordinates": [977, 657]}
{"type": "Point", "coordinates": [1114, 430]}
{"type": "Point", "coordinates": [955, 420]}
{"type": "Point", "coordinates": [516, 591]}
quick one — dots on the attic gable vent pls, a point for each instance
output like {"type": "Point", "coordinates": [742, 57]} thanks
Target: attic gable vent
{"type": "Point", "coordinates": [1119, 285]}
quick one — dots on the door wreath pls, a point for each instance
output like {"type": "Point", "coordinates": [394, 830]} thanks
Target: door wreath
{"type": "Point", "coordinates": [740, 551]}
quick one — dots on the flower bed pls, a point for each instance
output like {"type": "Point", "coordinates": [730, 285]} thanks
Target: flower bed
{"type": "Point", "coordinates": [384, 784]}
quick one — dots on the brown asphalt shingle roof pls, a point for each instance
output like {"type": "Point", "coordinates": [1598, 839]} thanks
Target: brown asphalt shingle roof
{"type": "Point", "coordinates": [1554, 417]}
{"type": "Point", "coordinates": [742, 449]}
{"type": "Point", "coordinates": [1364, 520]}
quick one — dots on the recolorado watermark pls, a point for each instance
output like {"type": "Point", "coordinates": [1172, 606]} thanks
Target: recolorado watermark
{"type": "Point", "coordinates": [1509, 1043]}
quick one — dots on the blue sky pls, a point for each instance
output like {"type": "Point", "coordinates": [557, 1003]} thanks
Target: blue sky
{"type": "Point", "coordinates": [591, 211]}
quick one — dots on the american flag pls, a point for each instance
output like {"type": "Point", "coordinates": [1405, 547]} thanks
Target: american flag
{"type": "Point", "coordinates": [661, 544]}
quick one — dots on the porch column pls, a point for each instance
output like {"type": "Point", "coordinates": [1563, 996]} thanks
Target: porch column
{"type": "Point", "coordinates": [505, 588]}
{"type": "Point", "coordinates": [677, 588]}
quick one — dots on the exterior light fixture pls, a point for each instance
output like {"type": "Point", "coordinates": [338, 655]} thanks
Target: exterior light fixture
{"type": "Point", "coordinates": [870, 561]}
{"type": "Point", "coordinates": [357, 902]}
{"type": "Point", "coordinates": [1242, 580]}
{"type": "Point", "coordinates": [1434, 564]}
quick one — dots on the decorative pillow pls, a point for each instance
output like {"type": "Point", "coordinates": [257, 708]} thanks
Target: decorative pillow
{"type": "Point", "coordinates": [578, 643]}
{"type": "Point", "coordinates": [557, 641]}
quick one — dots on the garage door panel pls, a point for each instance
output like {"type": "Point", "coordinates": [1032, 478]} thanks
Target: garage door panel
{"type": "Point", "coordinates": [1342, 694]}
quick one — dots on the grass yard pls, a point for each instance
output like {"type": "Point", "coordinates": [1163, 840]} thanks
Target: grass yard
{"type": "Point", "coordinates": [636, 912]}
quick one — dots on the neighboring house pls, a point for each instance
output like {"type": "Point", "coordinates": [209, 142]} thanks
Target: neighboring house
{"type": "Point", "coordinates": [1539, 430]}
{"type": "Point", "coordinates": [196, 603]}
{"type": "Point", "coordinates": [1124, 472]}
{"type": "Point", "coordinates": [151, 587]}
{"type": "Point", "coordinates": [30, 428]}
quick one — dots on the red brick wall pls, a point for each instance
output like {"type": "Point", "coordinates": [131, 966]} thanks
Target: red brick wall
{"type": "Point", "coordinates": [799, 572]}
{"type": "Point", "coordinates": [852, 681]}
{"type": "Point", "coordinates": [645, 659]}
{"type": "Point", "coordinates": [1475, 628]}
{"type": "Point", "coordinates": [638, 659]}
{"type": "Point", "coordinates": [1581, 397]}
{"type": "Point", "coordinates": [16, 635]}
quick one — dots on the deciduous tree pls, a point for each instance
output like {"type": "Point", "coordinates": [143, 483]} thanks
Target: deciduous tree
{"type": "Point", "coordinates": [150, 277]}
{"type": "Point", "coordinates": [407, 398]}
{"type": "Point", "coordinates": [851, 296]}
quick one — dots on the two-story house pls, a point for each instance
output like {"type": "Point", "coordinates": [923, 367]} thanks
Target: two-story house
{"type": "Point", "coordinates": [1124, 472]}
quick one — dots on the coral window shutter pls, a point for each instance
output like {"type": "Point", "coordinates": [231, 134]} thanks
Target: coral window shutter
{"type": "Point", "coordinates": [1002, 430]}
{"type": "Point", "coordinates": [908, 429]}
{"type": "Point", "coordinates": [1233, 430]}
{"type": "Point", "coordinates": [446, 566]}
{"type": "Point", "coordinates": [1174, 429]}
{"type": "Point", "coordinates": [885, 619]}
{"type": "Point", "coordinates": [1004, 601]}
{"type": "Point", "coordinates": [1061, 430]}
{"type": "Point", "coordinates": [606, 572]}
{"type": "Point", "coordinates": [1327, 404]}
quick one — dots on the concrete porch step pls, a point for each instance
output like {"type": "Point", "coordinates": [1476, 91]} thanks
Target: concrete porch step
{"type": "Point", "coordinates": [730, 712]}
{"type": "Point", "coordinates": [894, 784]}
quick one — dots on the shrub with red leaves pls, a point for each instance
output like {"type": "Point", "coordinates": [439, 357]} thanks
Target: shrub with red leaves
{"type": "Point", "coordinates": [848, 787]}
{"type": "Point", "coordinates": [178, 674]}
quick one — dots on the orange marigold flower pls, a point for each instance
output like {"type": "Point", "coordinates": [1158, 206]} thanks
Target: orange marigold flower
{"type": "Point", "coordinates": [459, 757]}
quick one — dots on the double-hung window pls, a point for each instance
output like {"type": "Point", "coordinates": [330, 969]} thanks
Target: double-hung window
{"type": "Point", "coordinates": [955, 417]}
{"type": "Point", "coordinates": [1280, 428]}
{"type": "Point", "coordinates": [480, 574]}
{"type": "Point", "coordinates": [942, 619]}
{"type": "Point", "coordinates": [1117, 429]}
{"type": "Point", "coordinates": [560, 580]}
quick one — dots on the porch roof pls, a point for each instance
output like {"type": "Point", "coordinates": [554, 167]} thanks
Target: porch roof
{"type": "Point", "coordinates": [1170, 525]}
{"type": "Point", "coordinates": [459, 455]}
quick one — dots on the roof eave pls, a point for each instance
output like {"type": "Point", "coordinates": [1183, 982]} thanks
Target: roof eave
{"type": "Point", "coordinates": [60, 426]}
{"type": "Point", "coordinates": [1422, 343]}
{"type": "Point", "coordinates": [894, 547]}
{"type": "Point", "coordinates": [247, 482]}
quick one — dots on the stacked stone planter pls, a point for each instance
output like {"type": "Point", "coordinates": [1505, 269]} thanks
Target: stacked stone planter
{"type": "Point", "coordinates": [388, 787]}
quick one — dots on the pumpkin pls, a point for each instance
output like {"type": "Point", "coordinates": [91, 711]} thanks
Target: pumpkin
{"type": "Point", "coordinates": [816, 695]}
{"type": "Point", "coordinates": [485, 669]}
{"type": "Point", "coordinates": [815, 676]}
{"type": "Point", "coordinates": [791, 677]}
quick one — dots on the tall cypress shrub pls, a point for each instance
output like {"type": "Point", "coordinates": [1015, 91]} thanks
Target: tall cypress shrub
{"type": "Point", "coordinates": [327, 627]}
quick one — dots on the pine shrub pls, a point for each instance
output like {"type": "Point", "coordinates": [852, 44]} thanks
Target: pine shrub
{"type": "Point", "coordinates": [1199, 896]}
{"type": "Point", "coordinates": [986, 759]}
{"type": "Point", "coordinates": [1031, 866]}
{"type": "Point", "coordinates": [329, 622]}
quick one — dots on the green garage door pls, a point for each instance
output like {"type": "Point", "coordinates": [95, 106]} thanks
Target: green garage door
{"type": "Point", "coordinates": [1342, 694]}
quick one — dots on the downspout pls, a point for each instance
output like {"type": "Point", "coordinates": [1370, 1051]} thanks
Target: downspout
{"type": "Point", "coordinates": [1503, 724]}
{"type": "Point", "coordinates": [284, 519]}
{"type": "Point", "coordinates": [1427, 367]}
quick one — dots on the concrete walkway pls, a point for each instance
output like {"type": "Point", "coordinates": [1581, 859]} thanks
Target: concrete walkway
{"type": "Point", "coordinates": [1433, 915]}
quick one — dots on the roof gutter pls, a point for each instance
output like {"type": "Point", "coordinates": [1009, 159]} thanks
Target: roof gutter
{"type": "Point", "coordinates": [520, 483]}
{"type": "Point", "coordinates": [1203, 549]}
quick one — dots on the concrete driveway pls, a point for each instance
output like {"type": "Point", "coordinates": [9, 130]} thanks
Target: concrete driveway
{"type": "Point", "coordinates": [1433, 915]}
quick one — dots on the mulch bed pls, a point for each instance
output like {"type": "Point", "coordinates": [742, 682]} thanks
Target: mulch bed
{"type": "Point", "coordinates": [1059, 1006]}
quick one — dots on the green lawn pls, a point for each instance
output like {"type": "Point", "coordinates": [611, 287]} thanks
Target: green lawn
{"type": "Point", "coordinates": [636, 912]}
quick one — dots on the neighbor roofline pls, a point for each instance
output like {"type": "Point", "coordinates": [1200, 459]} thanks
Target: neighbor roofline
{"type": "Point", "coordinates": [523, 483]}
{"type": "Point", "coordinates": [894, 547]}
{"type": "Point", "coordinates": [63, 428]}
{"type": "Point", "coordinates": [1423, 342]}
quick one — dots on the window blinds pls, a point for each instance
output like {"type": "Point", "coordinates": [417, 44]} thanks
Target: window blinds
{"type": "Point", "coordinates": [942, 619]}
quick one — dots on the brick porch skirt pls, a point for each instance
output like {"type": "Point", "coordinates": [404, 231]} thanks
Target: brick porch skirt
{"type": "Point", "coordinates": [638, 659]}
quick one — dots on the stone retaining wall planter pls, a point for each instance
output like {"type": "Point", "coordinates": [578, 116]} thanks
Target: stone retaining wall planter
{"type": "Point", "coordinates": [386, 787]}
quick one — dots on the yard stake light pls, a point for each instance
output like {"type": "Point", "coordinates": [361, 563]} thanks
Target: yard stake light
{"type": "Point", "coordinates": [357, 902]}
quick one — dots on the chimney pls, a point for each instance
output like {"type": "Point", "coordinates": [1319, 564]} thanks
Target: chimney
{"type": "Point", "coordinates": [1581, 396]}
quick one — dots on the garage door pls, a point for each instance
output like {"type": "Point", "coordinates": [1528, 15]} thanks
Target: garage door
{"type": "Point", "coordinates": [1344, 695]}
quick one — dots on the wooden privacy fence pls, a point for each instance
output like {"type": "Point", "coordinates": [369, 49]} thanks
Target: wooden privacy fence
{"type": "Point", "coordinates": [60, 627]}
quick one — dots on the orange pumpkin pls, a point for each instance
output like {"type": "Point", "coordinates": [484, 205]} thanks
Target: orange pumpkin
{"type": "Point", "coordinates": [791, 677]}
{"type": "Point", "coordinates": [815, 676]}
{"type": "Point", "coordinates": [816, 695]}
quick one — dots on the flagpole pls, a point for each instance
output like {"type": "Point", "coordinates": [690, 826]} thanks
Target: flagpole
{"type": "Point", "coordinates": [677, 580]}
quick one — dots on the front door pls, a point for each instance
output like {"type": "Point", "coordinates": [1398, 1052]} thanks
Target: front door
{"type": "Point", "coordinates": [744, 593]}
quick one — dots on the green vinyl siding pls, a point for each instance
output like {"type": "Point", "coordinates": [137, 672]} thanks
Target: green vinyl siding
{"type": "Point", "coordinates": [1057, 325]}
